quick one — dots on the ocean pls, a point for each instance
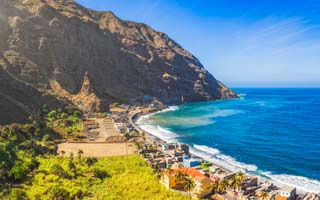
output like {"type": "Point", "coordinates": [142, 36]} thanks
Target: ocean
{"type": "Point", "coordinates": [271, 133]}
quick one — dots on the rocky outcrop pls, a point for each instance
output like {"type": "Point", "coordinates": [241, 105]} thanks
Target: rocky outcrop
{"type": "Point", "coordinates": [63, 53]}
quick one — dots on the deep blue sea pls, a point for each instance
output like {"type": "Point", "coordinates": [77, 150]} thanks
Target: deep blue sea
{"type": "Point", "coordinates": [272, 133]}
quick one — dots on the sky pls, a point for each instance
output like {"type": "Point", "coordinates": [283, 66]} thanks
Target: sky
{"type": "Point", "coordinates": [243, 43]}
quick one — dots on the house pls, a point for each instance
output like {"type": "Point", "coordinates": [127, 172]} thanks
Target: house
{"type": "Point", "coordinates": [120, 127]}
{"type": "Point", "coordinates": [202, 184]}
{"type": "Point", "coordinates": [287, 193]}
{"type": "Point", "coordinates": [164, 147]}
{"type": "Point", "coordinates": [190, 162]}
{"type": "Point", "coordinates": [185, 148]}
{"type": "Point", "coordinates": [311, 196]}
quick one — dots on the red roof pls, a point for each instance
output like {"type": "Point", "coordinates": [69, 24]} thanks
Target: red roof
{"type": "Point", "coordinates": [191, 172]}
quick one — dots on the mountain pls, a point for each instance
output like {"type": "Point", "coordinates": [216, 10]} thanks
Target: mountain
{"type": "Point", "coordinates": [57, 52]}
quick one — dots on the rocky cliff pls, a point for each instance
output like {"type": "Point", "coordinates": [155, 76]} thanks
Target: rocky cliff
{"type": "Point", "coordinates": [57, 52]}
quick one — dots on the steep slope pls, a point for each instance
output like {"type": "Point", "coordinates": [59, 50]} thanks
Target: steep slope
{"type": "Point", "coordinates": [59, 52]}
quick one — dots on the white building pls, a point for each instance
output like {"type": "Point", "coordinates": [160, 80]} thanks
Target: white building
{"type": "Point", "coordinates": [287, 192]}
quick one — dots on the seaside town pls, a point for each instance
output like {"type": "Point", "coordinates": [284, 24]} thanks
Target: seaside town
{"type": "Point", "coordinates": [175, 167]}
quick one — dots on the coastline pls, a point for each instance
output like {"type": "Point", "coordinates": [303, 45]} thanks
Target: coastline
{"type": "Point", "coordinates": [263, 177]}
{"type": "Point", "coordinates": [152, 138]}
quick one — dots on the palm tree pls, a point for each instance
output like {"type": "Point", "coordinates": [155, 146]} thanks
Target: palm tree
{"type": "Point", "coordinates": [220, 186]}
{"type": "Point", "coordinates": [80, 153]}
{"type": "Point", "coordinates": [91, 161]}
{"type": "Point", "coordinates": [180, 177]}
{"type": "Point", "coordinates": [264, 195]}
{"type": "Point", "coordinates": [63, 153]}
{"type": "Point", "coordinates": [235, 182]}
{"type": "Point", "coordinates": [189, 184]}
{"type": "Point", "coordinates": [72, 167]}
{"type": "Point", "coordinates": [157, 170]}
{"type": "Point", "coordinates": [226, 183]}
{"type": "Point", "coordinates": [71, 155]}
{"type": "Point", "coordinates": [240, 176]}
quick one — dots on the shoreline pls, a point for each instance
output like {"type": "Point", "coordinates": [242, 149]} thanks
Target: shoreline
{"type": "Point", "coordinates": [152, 138]}
{"type": "Point", "coordinates": [267, 179]}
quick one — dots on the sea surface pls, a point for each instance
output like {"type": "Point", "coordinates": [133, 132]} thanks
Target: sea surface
{"type": "Point", "coordinates": [272, 133]}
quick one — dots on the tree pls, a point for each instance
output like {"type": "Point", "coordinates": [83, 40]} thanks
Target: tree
{"type": "Point", "coordinates": [181, 177]}
{"type": "Point", "coordinates": [63, 153]}
{"type": "Point", "coordinates": [72, 167]}
{"type": "Point", "coordinates": [17, 172]}
{"type": "Point", "coordinates": [71, 155]}
{"type": "Point", "coordinates": [189, 184]}
{"type": "Point", "coordinates": [17, 194]}
{"type": "Point", "coordinates": [220, 187]}
{"type": "Point", "coordinates": [91, 161]}
{"type": "Point", "coordinates": [99, 173]}
{"type": "Point", "coordinates": [52, 115]}
{"type": "Point", "coordinates": [264, 195]}
{"type": "Point", "coordinates": [80, 153]}
{"type": "Point", "coordinates": [157, 171]}
{"type": "Point", "coordinates": [235, 182]}
{"type": "Point", "coordinates": [57, 170]}
{"type": "Point", "coordinates": [240, 176]}
{"type": "Point", "coordinates": [44, 109]}
{"type": "Point", "coordinates": [59, 193]}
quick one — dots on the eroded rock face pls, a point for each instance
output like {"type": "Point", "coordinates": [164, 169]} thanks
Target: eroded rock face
{"type": "Point", "coordinates": [73, 55]}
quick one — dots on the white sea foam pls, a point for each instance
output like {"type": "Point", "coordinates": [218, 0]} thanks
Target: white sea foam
{"type": "Point", "coordinates": [144, 117]}
{"type": "Point", "coordinates": [206, 149]}
{"type": "Point", "coordinates": [302, 184]}
{"type": "Point", "coordinates": [242, 95]}
{"type": "Point", "coordinates": [215, 156]}
{"type": "Point", "coordinates": [224, 113]}
{"type": "Point", "coordinates": [159, 132]}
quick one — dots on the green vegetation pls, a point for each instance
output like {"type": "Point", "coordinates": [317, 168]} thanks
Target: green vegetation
{"type": "Point", "coordinates": [205, 165]}
{"type": "Point", "coordinates": [30, 168]}
{"type": "Point", "coordinates": [232, 183]}
{"type": "Point", "coordinates": [90, 178]}
{"type": "Point", "coordinates": [19, 147]}
{"type": "Point", "coordinates": [67, 122]}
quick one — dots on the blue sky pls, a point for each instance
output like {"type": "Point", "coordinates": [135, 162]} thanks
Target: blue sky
{"type": "Point", "coordinates": [243, 43]}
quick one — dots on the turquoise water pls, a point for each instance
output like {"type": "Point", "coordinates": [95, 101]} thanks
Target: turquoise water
{"type": "Point", "coordinates": [273, 133]}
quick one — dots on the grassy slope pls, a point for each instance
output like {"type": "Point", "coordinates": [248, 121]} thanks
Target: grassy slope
{"type": "Point", "coordinates": [128, 178]}
{"type": "Point", "coordinates": [29, 168]}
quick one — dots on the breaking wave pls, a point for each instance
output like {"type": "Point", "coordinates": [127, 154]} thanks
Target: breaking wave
{"type": "Point", "coordinates": [215, 156]}
{"type": "Point", "coordinates": [156, 128]}
{"type": "Point", "coordinates": [302, 184]}
{"type": "Point", "coordinates": [159, 132]}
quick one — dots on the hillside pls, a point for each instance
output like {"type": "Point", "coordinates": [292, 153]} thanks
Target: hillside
{"type": "Point", "coordinates": [57, 52]}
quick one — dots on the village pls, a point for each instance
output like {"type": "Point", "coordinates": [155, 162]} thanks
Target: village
{"type": "Point", "coordinates": [176, 168]}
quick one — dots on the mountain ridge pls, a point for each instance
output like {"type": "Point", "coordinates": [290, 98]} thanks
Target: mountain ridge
{"type": "Point", "coordinates": [51, 49]}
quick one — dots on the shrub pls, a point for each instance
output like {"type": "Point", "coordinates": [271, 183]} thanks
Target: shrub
{"type": "Point", "coordinates": [59, 193]}
{"type": "Point", "coordinates": [57, 170]}
{"type": "Point", "coordinates": [17, 194]}
{"type": "Point", "coordinates": [17, 172]}
{"type": "Point", "coordinates": [99, 173]}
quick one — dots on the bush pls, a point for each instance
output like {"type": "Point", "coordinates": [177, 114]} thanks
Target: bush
{"type": "Point", "coordinates": [18, 172]}
{"type": "Point", "coordinates": [99, 173]}
{"type": "Point", "coordinates": [17, 194]}
{"type": "Point", "coordinates": [57, 170]}
{"type": "Point", "coordinates": [52, 115]}
{"type": "Point", "coordinates": [59, 193]}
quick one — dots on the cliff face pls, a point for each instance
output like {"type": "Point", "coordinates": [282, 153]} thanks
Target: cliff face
{"type": "Point", "coordinates": [57, 52]}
